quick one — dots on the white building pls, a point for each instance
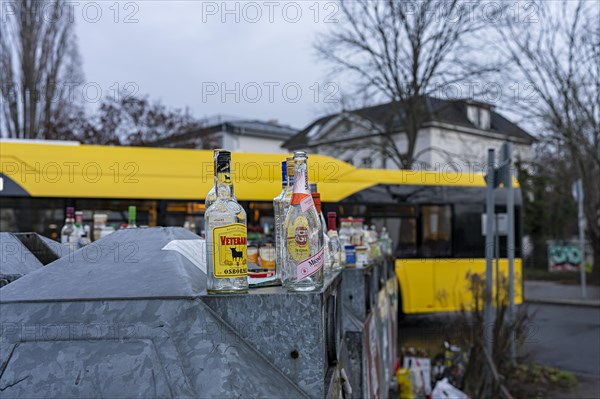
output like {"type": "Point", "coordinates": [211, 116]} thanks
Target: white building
{"type": "Point", "coordinates": [455, 136]}
{"type": "Point", "coordinates": [234, 135]}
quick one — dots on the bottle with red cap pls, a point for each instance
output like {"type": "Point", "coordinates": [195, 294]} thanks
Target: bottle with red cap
{"type": "Point", "coordinates": [304, 253]}
{"type": "Point", "coordinates": [334, 241]}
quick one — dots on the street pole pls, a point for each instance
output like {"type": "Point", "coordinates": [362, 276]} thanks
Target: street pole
{"type": "Point", "coordinates": [510, 205]}
{"type": "Point", "coordinates": [489, 251]}
{"type": "Point", "coordinates": [497, 256]}
{"type": "Point", "coordinates": [581, 221]}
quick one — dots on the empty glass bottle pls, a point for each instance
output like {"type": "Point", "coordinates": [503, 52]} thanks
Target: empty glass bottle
{"type": "Point", "coordinates": [68, 234]}
{"type": "Point", "coordinates": [226, 235]}
{"type": "Point", "coordinates": [278, 212]}
{"type": "Point", "coordinates": [334, 241]}
{"type": "Point", "coordinates": [328, 255]}
{"type": "Point", "coordinates": [304, 257]}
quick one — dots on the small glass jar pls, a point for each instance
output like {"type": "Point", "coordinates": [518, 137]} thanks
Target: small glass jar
{"type": "Point", "coordinates": [357, 232]}
{"type": "Point", "coordinates": [362, 256]}
{"type": "Point", "coordinates": [350, 255]}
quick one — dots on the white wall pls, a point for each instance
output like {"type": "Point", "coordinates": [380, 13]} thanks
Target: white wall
{"type": "Point", "coordinates": [436, 149]}
{"type": "Point", "coordinates": [467, 152]}
{"type": "Point", "coordinates": [252, 144]}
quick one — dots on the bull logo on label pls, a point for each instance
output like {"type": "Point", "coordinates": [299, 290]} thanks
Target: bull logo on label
{"type": "Point", "coordinates": [301, 235]}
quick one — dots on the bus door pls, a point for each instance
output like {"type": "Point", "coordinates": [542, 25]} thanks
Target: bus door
{"type": "Point", "coordinates": [415, 274]}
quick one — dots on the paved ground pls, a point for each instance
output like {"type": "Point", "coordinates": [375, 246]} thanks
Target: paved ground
{"type": "Point", "coordinates": [588, 387]}
{"type": "Point", "coordinates": [566, 337]}
{"type": "Point", "coordinates": [551, 292]}
{"type": "Point", "coordinates": [563, 336]}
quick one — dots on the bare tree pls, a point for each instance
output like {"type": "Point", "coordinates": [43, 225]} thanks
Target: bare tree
{"type": "Point", "coordinates": [130, 120]}
{"type": "Point", "coordinates": [559, 59]}
{"type": "Point", "coordinates": [38, 63]}
{"type": "Point", "coordinates": [402, 52]}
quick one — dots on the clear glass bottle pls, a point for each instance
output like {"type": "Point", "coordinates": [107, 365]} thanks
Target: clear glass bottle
{"type": "Point", "coordinates": [304, 257]}
{"type": "Point", "coordinates": [132, 216]}
{"type": "Point", "coordinates": [346, 231]}
{"type": "Point", "coordinates": [386, 243]}
{"type": "Point", "coordinates": [226, 235]}
{"type": "Point", "coordinates": [78, 227]}
{"type": "Point", "coordinates": [334, 241]}
{"type": "Point", "coordinates": [278, 213]}
{"type": "Point", "coordinates": [375, 242]}
{"type": "Point", "coordinates": [82, 231]}
{"type": "Point", "coordinates": [68, 235]}
{"type": "Point", "coordinates": [328, 255]}
{"type": "Point", "coordinates": [285, 206]}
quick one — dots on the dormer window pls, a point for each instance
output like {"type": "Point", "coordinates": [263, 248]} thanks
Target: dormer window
{"type": "Point", "coordinates": [479, 116]}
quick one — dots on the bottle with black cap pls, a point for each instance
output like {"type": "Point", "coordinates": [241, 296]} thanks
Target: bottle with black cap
{"type": "Point", "coordinates": [226, 235]}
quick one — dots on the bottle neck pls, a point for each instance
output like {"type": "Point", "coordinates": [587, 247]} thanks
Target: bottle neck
{"type": "Point", "coordinates": [223, 184]}
{"type": "Point", "coordinates": [301, 178]}
{"type": "Point", "coordinates": [331, 224]}
{"type": "Point", "coordinates": [284, 177]}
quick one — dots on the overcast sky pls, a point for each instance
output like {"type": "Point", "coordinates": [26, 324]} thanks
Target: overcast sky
{"type": "Point", "coordinates": [246, 59]}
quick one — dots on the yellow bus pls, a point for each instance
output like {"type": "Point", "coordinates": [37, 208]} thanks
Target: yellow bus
{"type": "Point", "coordinates": [434, 218]}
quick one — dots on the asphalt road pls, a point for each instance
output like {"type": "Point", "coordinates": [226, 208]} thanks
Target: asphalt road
{"type": "Point", "coordinates": [567, 337]}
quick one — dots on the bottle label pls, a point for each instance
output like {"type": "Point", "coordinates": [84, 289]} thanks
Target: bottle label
{"type": "Point", "coordinates": [297, 239]}
{"type": "Point", "coordinates": [311, 265]}
{"type": "Point", "coordinates": [229, 251]}
{"type": "Point", "coordinates": [224, 178]}
{"type": "Point", "coordinates": [301, 189]}
{"type": "Point", "coordinates": [306, 203]}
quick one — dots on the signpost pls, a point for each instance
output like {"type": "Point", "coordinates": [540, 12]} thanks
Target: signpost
{"type": "Point", "coordinates": [578, 194]}
{"type": "Point", "coordinates": [489, 248]}
{"type": "Point", "coordinates": [502, 174]}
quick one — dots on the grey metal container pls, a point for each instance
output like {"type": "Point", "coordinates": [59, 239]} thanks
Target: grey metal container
{"type": "Point", "coordinates": [129, 316]}
{"type": "Point", "coordinates": [23, 253]}
{"type": "Point", "coordinates": [370, 327]}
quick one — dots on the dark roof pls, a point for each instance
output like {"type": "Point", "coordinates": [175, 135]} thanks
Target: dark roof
{"type": "Point", "coordinates": [438, 110]}
{"type": "Point", "coordinates": [254, 128]}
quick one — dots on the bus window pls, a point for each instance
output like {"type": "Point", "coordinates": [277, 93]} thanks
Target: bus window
{"type": "Point", "coordinates": [435, 233]}
{"type": "Point", "coordinates": [407, 238]}
{"type": "Point", "coordinates": [469, 242]}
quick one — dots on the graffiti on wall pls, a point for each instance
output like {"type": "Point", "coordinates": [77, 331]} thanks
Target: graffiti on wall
{"type": "Point", "coordinates": [564, 256]}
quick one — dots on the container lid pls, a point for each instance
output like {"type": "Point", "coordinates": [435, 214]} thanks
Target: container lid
{"type": "Point", "coordinates": [100, 217]}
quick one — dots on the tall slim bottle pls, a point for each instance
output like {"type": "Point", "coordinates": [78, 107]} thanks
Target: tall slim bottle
{"type": "Point", "coordinates": [327, 255]}
{"type": "Point", "coordinates": [78, 226]}
{"type": "Point", "coordinates": [277, 210]}
{"type": "Point", "coordinates": [304, 258]}
{"type": "Point", "coordinates": [226, 235]}
{"type": "Point", "coordinates": [132, 216]}
{"type": "Point", "coordinates": [68, 235]}
{"type": "Point", "coordinates": [334, 240]}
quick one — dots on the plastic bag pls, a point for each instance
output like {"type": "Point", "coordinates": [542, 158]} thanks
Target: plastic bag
{"type": "Point", "coordinates": [404, 384]}
{"type": "Point", "coordinates": [444, 390]}
{"type": "Point", "coordinates": [420, 375]}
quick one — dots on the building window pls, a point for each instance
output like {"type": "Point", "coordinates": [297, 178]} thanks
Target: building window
{"type": "Point", "coordinates": [479, 116]}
